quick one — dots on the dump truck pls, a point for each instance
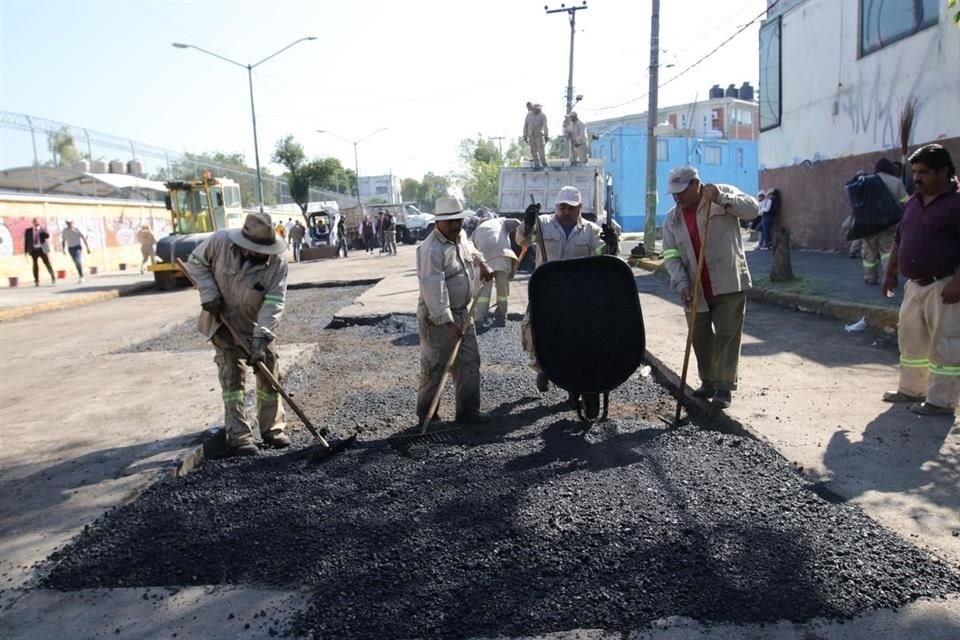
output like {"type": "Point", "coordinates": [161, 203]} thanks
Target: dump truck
{"type": "Point", "coordinates": [518, 184]}
{"type": "Point", "coordinates": [197, 207]}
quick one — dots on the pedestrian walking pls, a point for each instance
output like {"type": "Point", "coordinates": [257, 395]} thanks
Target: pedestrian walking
{"type": "Point", "coordinates": [926, 251]}
{"type": "Point", "coordinates": [297, 232]}
{"type": "Point", "coordinates": [73, 241]}
{"type": "Point", "coordinates": [535, 134]}
{"type": "Point", "coordinates": [147, 243]}
{"type": "Point", "coordinates": [390, 232]}
{"type": "Point", "coordinates": [447, 265]}
{"type": "Point", "coordinates": [341, 237]}
{"type": "Point", "coordinates": [492, 239]}
{"type": "Point", "coordinates": [381, 232]}
{"type": "Point", "coordinates": [566, 235]}
{"type": "Point", "coordinates": [36, 246]}
{"type": "Point", "coordinates": [876, 247]}
{"type": "Point", "coordinates": [242, 277]}
{"type": "Point", "coordinates": [368, 232]}
{"type": "Point", "coordinates": [287, 228]}
{"type": "Point", "coordinates": [725, 278]}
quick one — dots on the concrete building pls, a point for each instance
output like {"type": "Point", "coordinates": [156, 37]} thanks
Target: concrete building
{"type": "Point", "coordinates": [385, 189]}
{"type": "Point", "coordinates": [726, 113]}
{"type": "Point", "coordinates": [834, 79]}
{"type": "Point", "coordinates": [624, 153]}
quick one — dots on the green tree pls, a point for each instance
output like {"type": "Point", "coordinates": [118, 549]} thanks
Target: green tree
{"type": "Point", "coordinates": [514, 154]}
{"type": "Point", "coordinates": [62, 146]}
{"type": "Point", "coordinates": [481, 180]}
{"type": "Point", "coordinates": [557, 148]}
{"type": "Point", "coordinates": [431, 187]}
{"type": "Point", "coordinates": [410, 190]}
{"type": "Point", "coordinates": [302, 174]}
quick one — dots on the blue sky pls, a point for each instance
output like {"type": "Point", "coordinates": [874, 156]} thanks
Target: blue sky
{"type": "Point", "coordinates": [432, 71]}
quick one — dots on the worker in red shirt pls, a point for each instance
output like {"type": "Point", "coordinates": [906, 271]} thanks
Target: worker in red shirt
{"type": "Point", "coordinates": [725, 279]}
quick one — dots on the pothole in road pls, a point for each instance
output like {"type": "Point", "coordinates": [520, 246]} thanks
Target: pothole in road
{"type": "Point", "coordinates": [529, 526]}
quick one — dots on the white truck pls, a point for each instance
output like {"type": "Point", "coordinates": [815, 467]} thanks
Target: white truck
{"type": "Point", "coordinates": [518, 184]}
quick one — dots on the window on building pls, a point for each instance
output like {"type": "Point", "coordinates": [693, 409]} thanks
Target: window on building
{"type": "Point", "coordinates": [770, 75]}
{"type": "Point", "coordinates": [711, 154]}
{"type": "Point", "coordinates": [746, 117]}
{"type": "Point", "coordinates": [883, 22]}
{"type": "Point", "coordinates": [381, 190]}
{"type": "Point", "coordinates": [739, 155]}
{"type": "Point", "coordinates": [663, 151]}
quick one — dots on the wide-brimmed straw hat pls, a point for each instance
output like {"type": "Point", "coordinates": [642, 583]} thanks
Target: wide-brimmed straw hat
{"type": "Point", "coordinates": [258, 235]}
{"type": "Point", "coordinates": [449, 208]}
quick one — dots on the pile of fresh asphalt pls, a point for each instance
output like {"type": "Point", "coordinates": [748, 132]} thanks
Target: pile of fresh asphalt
{"type": "Point", "coordinates": [530, 525]}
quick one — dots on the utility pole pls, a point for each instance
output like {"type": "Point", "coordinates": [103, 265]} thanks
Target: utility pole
{"type": "Point", "coordinates": [499, 140]}
{"type": "Point", "coordinates": [572, 15]}
{"type": "Point", "coordinates": [650, 223]}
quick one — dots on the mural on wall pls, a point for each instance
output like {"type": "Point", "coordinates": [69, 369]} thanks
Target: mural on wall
{"type": "Point", "coordinates": [6, 241]}
{"type": "Point", "coordinates": [119, 231]}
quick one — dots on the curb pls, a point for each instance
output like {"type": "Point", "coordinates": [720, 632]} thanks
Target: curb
{"type": "Point", "coordinates": [13, 313]}
{"type": "Point", "coordinates": [881, 318]}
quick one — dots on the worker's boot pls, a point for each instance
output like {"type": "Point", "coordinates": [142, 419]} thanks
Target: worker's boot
{"type": "Point", "coordinates": [723, 398]}
{"type": "Point", "coordinates": [474, 417]}
{"type": "Point", "coordinates": [277, 440]}
{"type": "Point", "coordinates": [243, 450]}
{"type": "Point", "coordinates": [705, 391]}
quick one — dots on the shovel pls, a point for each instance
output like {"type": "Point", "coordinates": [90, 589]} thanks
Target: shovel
{"type": "Point", "coordinates": [325, 450]}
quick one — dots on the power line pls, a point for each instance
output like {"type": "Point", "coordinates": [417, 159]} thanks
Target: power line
{"type": "Point", "coordinates": [685, 70]}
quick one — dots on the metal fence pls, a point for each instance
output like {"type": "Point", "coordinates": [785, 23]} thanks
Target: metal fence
{"type": "Point", "coordinates": [27, 141]}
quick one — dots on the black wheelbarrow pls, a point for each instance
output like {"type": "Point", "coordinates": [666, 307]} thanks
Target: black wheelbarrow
{"type": "Point", "coordinates": [587, 328]}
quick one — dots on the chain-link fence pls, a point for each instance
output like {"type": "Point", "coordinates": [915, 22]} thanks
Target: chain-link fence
{"type": "Point", "coordinates": [28, 141]}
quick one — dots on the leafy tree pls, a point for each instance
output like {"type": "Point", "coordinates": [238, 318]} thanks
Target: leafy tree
{"type": "Point", "coordinates": [431, 187]}
{"type": "Point", "coordinates": [410, 189]}
{"type": "Point", "coordinates": [557, 148]}
{"type": "Point", "coordinates": [62, 146]}
{"type": "Point", "coordinates": [514, 154]}
{"type": "Point", "coordinates": [481, 180]}
{"type": "Point", "coordinates": [302, 174]}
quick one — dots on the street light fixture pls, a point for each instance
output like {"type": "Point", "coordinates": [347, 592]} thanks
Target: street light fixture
{"type": "Point", "coordinates": [356, 165]}
{"type": "Point", "coordinates": [253, 113]}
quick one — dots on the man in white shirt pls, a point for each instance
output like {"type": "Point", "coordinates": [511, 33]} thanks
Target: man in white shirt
{"type": "Point", "coordinates": [73, 241]}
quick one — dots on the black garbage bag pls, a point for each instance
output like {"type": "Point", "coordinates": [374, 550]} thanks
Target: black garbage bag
{"type": "Point", "coordinates": [874, 207]}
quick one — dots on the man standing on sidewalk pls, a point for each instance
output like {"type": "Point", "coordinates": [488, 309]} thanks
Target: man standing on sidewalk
{"type": "Point", "coordinates": [73, 242]}
{"type": "Point", "coordinates": [876, 248]}
{"type": "Point", "coordinates": [722, 304]}
{"type": "Point", "coordinates": [35, 245]}
{"type": "Point", "coordinates": [926, 250]}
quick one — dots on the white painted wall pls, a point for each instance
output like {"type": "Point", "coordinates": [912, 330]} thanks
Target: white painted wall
{"type": "Point", "coordinates": [837, 105]}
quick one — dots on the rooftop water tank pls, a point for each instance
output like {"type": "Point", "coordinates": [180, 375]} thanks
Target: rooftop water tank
{"type": "Point", "coordinates": [746, 92]}
{"type": "Point", "coordinates": [118, 166]}
{"type": "Point", "coordinates": [732, 92]}
{"type": "Point", "coordinates": [98, 166]}
{"type": "Point", "coordinates": [135, 167]}
{"type": "Point", "coordinates": [81, 165]}
{"type": "Point", "coordinates": [716, 92]}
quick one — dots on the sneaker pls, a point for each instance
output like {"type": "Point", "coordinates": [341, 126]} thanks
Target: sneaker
{"type": "Point", "coordinates": [543, 382]}
{"type": "Point", "coordinates": [723, 398]}
{"type": "Point", "coordinates": [927, 409]}
{"type": "Point", "coordinates": [705, 391]}
{"type": "Point", "coordinates": [243, 450]}
{"type": "Point", "coordinates": [900, 396]}
{"type": "Point", "coordinates": [477, 417]}
{"type": "Point", "coordinates": [277, 441]}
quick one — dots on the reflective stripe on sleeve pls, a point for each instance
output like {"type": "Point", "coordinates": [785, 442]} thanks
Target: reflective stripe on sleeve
{"type": "Point", "coordinates": [671, 254]}
{"type": "Point", "coordinates": [198, 259]}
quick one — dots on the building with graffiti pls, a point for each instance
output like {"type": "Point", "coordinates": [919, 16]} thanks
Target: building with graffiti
{"type": "Point", "coordinates": [836, 82]}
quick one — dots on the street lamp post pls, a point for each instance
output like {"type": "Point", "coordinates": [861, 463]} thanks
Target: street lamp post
{"type": "Point", "coordinates": [253, 113]}
{"type": "Point", "coordinates": [356, 164]}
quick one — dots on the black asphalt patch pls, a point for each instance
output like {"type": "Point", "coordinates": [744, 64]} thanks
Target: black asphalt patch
{"type": "Point", "coordinates": [528, 526]}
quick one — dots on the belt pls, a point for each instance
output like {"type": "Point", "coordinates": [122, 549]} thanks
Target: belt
{"type": "Point", "coordinates": [924, 282]}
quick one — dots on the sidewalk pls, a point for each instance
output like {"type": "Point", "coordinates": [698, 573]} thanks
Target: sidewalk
{"type": "Point", "coordinates": [828, 284]}
{"type": "Point", "coordinates": [26, 299]}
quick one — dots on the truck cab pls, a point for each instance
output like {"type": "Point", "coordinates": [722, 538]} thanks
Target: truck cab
{"type": "Point", "coordinates": [197, 207]}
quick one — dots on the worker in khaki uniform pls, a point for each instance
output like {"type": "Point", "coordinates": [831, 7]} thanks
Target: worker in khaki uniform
{"type": "Point", "coordinates": [876, 248]}
{"type": "Point", "coordinates": [535, 134]}
{"type": "Point", "coordinates": [722, 304]}
{"type": "Point", "coordinates": [576, 132]}
{"type": "Point", "coordinates": [492, 239]}
{"type": "Point", "coordinates": [926, 251]}
{"type": "Point", "coordinates": [446, 269]}
{"type": "Point", "coordinates": [566, 235]}
{"type": "Point", "coordinates": [242, 277]}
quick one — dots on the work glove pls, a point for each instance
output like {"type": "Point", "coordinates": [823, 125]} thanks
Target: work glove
{"type": "Point", "coordinates": [608, 234]}
{"type": "Point", "coordinates": [258, 351]}
{"type": "Point", "coordinates": [530, 215]}
{"type": "Point", "coordinates": [213, 307]}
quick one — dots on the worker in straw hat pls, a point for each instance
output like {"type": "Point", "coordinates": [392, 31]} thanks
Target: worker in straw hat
{"type": "Point", "coordinates": [446, 267]}
{"type": "Point", "coordinates": [242, 277]}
